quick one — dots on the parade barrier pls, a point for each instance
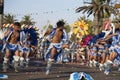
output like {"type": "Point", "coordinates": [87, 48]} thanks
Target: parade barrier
{"type": "Point", "coordinates": [80, 76]}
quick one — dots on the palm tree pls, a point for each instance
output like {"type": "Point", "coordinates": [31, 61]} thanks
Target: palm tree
{"type": "Point", "coordinates": [8, 18]}
{"type": "Point", "coordinates": [27, 20]}
{"type": "Point", "coordinates": [98, 8]}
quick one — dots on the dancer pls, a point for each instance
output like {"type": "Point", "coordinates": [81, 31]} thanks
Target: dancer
{"type": "Point", "coordinates": [113, 51]}
{"type": "Point", "coordinates": [59, 40]}
{"type": "Point", "coordinates": [12, 39]}
{"type": "Point", "coordinates": [29, 43]}
{"type": "Point", "coordinates": [24, 48]}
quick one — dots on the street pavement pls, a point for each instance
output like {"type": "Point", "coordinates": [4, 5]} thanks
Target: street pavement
{"type": "Point", "coordinates": [59, 71]}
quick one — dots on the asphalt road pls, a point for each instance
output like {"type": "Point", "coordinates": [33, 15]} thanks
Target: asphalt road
{"type": "Point", "coordinates": [36, 71]}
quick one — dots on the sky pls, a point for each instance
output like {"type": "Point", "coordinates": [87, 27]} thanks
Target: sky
{"type": "Point", "coordinates": [44, 12]}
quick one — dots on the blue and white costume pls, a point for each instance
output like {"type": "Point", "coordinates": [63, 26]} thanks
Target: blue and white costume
{"type": "Point", "coordinates": [58, 46]}
{"type": "Point", "coordinates": [10, 46]}
{"type": "Point", "coordinates": [114, 43]}
{"type": "Point", "coordinates": [93, 52]}
{"type": "Point", "coordinates": [107, 46]}
{"type": "Point", "coordinates": [24, 49]}
{"type": "Point", "coordinates": [117, 50]}
{"type": "Point", "coordinates": [33, 35]}
{"type": "Point", "coordinates": [117, 46]}
{"type": "Point", "coordinates": [23, 40]}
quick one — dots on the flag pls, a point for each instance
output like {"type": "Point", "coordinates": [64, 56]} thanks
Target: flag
{"type": "Point", "coordinates": [107, 25]}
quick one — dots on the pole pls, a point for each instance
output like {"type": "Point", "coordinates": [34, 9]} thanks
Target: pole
{"type": "Point", "coordinates": [1, 13]}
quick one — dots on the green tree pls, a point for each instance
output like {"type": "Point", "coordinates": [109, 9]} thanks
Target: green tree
{"type": "Point", "coordinates": [73, 38]}
{"type": "Point", "coordinates": [67, 28]}
{"type": "Point", "coordinates": [116, 22]}
{"type": "Point", "coordinates": [8, 18]}
{"type": "Point", "coordinates": [44, 27]}
{"type": "Point", "coordinates": [27, 20]}
{"type": "Point", "coordinates": [50, 26]}
{"type": "Point", "coordinates": [98, 8]}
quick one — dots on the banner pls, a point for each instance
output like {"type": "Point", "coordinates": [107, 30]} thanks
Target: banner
{"type": "Point", "coordinates": [106, 25]}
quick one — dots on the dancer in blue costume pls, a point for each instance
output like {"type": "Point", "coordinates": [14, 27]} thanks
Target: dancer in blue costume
{"type": "Point", "coordinates": [2, 76]}
{"type": "Point", "coordinates": [28, 39]}
{"type": "Point", "coordinates": [12, 40]}
{"type": "Point", "coordinates": [33, 35]}
{"type": "Point", "coordinates": [113, 51]}
{"type": "Point", "coordinates": [24, 48]}
{"type": "Point", "coordinates": [59, 40]}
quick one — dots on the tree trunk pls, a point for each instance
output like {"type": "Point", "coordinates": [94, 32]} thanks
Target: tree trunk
{"type": "Point", "coordinates": [97, 25]}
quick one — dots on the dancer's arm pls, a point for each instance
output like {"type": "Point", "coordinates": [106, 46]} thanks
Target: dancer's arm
{"type": "Point", "coordinates": [48, 32]}
{"type": "Point", "coordinates": [7, 33]}
{"type": "Point", "coordinates": [109, 36]}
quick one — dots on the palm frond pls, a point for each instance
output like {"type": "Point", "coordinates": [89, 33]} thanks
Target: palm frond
{"type": "Point", "coordinates": [81, 8]}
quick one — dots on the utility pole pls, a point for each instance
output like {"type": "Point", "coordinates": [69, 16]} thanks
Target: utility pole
{"type": "Point", "coordinates": [1, 12]}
